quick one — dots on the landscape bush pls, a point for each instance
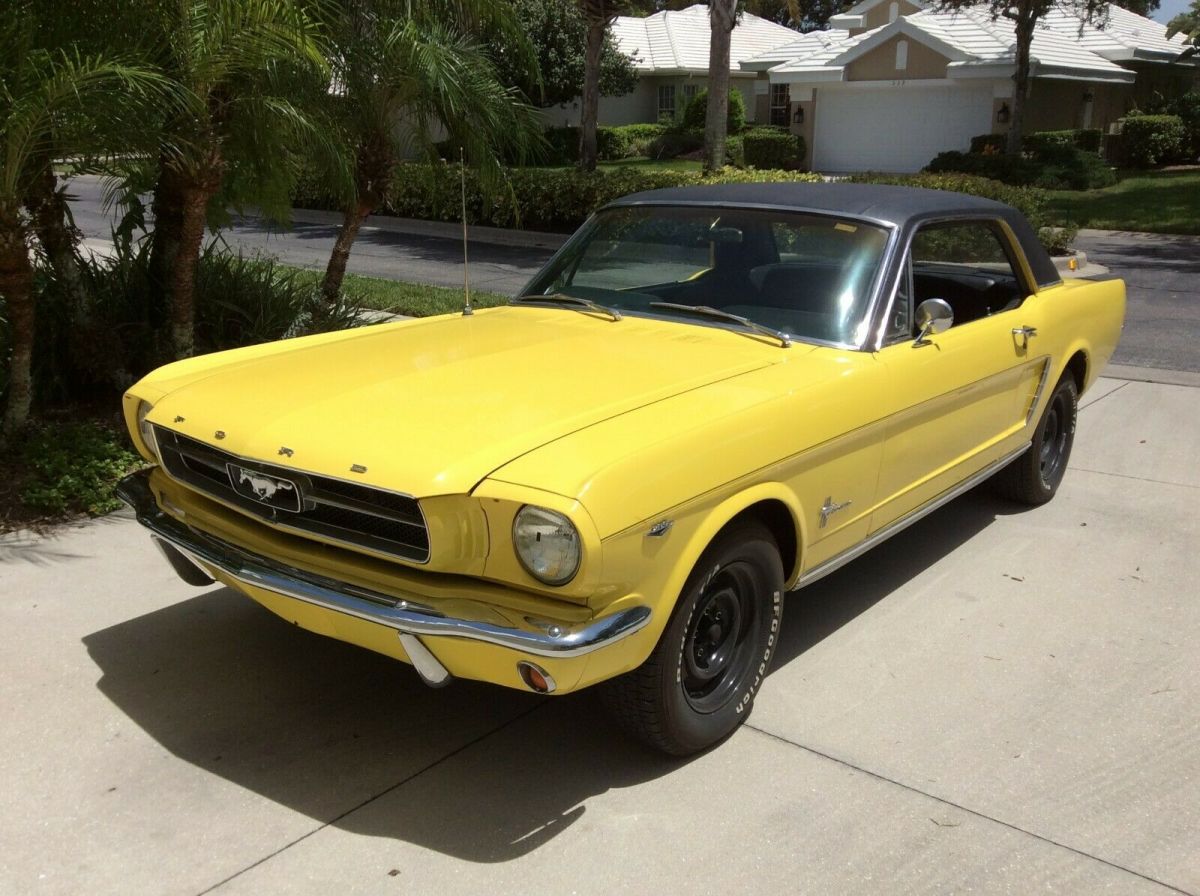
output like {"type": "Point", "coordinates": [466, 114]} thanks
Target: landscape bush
{"type": "Point", "coordinates": [1056, 164]}
{"type": "Point", "coordinates": [771, 147]}
{"type": "Point", "coordinates": [72, 468]}
{"type": "Point", "coordinates": [542, 200]}
{"type": "Point", "coordinates": [1153, 140]}
{"type": "Point", "coordinates": [563, 145]}
{"type": "Point", "coordinates": [696, 112]}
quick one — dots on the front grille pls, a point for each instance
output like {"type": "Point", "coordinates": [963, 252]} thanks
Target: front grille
{"type": "Point", "coordinates": [352, 514]}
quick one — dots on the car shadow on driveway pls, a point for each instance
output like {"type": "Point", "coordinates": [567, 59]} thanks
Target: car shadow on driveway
{"type": "Point", "coordinates": [353, 739]}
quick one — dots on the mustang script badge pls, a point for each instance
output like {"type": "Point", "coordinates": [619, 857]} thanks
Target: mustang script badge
{"type": "Point", "coordinates": [282, 494]}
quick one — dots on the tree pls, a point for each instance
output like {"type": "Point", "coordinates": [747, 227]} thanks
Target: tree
{"type": "Point", "coordinates": [722, 17]}
{"type": "Point", "coordinates": [240, 63]}
{"type": "Point", "coordinates": [1141, 7]}
{"type": "Point", "coordinates": [558, 34]}
{"type": "Point", "coordinates": [1025, 15]}
{"type": "Point", "coordinates": [53, 104]}
{"type": "Point", "coordinates": [1187, 23]}
{"type": "Point", "coordinates": [597, 15]}
{"type": "Point", "coordinates": [406, 71]}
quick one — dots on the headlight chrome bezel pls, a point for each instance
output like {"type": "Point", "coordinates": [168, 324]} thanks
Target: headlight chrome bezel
{"type": "Point", "coordinates": [146, 430]}
{"type": "Point", "coordinates": [530, 515]}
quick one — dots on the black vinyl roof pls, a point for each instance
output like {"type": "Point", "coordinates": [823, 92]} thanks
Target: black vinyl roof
{"type": "Point", "coordinates": [904, 207]}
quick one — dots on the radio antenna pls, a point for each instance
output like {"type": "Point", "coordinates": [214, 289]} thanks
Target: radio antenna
{"type": "Point", "coordinates": [462, 179]}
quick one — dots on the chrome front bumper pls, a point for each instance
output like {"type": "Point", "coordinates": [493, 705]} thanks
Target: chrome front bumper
{"type": "Point", "coordinates": [410, 618]}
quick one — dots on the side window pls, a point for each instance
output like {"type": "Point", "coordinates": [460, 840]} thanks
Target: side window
{"type": "Point", "coordinates": [967, 264]}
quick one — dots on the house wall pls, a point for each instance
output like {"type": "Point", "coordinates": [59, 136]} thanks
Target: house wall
{"type": "Point", "coordinates": [1061, 105]}
{"type": "Point", "coordinates": [641, 104]}
{"type": "Point", "coordinates": [880, 63]}
{"type": "Point", "coordinates": [1157, 80]}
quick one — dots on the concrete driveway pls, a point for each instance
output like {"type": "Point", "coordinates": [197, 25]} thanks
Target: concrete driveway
{"type": "Point", "coordinates": [997, 701]}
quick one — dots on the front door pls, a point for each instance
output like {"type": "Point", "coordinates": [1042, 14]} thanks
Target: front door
{"type": "Point", "coordinates": [960, 399]}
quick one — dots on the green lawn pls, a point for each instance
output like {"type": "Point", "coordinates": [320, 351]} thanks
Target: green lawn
{"type": "Point", "coordinates": [409, 298]}
{"type": "Point", "coordinates": [1151, 201]}
{"type": "Point", "coordinates": [653, 164]}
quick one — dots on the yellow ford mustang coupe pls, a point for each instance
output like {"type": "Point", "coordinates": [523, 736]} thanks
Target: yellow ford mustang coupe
{"type": "Point", "coordinates": [709, 397]}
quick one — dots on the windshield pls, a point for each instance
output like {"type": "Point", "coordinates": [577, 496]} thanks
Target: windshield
{"type": "Point", "coordinates": [807, 276]}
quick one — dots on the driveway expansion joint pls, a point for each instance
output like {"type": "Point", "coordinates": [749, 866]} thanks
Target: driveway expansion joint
{"type": "Point", "coordinates": [391, 788]}
{"type": "Point", "coordinates": [973, 812]}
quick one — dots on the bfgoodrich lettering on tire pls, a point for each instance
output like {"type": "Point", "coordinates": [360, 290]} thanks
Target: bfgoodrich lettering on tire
{"type": "Point", "coordinates": [700, 682]}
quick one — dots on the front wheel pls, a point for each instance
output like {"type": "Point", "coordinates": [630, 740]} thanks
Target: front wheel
{"type": "Point", "coordinates": [1034, 477]}
{"type": "Point", "coordinates": [700, 682]}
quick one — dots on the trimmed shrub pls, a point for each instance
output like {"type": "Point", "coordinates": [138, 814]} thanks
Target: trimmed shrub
{"type": "Point", "coordinates": [563, 145]}
{"type": "Point", "coordinates": [1030, 201]}
{"type": "Point", "coordinates": [638, 138]}
{"type": "Point", "coordinates": [1187, 107]}
{"type": "Point", "coordinates": [735, 151]}
{"type": "Point", "coordinates": [697, 110]}
{"type": "Point", "coordinates": [1087, 139]}
{"type": "Point", "coordinates": [674, 142]}
{"type": "Point", "coordinates": [768, 147]}
{"type": "Point", "coordinates": [539, 199]}
{"type": "Point", "coordinates": [989, 143]}
{"type": "Point", "coordinates": [1153, 140]}
{"type": "Point", "coordinates": [1057, 165]}
{"type": "Point", "coordinates": [1057, 240]}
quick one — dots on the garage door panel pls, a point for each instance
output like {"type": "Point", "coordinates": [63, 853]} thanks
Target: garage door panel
{"type": "Point", "coordinates": [896, 129]}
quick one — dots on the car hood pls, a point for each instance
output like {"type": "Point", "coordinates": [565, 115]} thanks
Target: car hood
{"type": "Point", "coordinates": [433, 406]}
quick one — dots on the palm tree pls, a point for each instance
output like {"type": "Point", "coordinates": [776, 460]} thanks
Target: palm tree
{"type": "Point", "coordinates": [407, 72]}
{"type": "Point", "coordinates": [599, 15]}
{"type": "Point", "coordinates": [722, 16]}
{"type": "Point", "coordinates": [241, 63]}
{"type": "Point", "coordinates": [53, 104]}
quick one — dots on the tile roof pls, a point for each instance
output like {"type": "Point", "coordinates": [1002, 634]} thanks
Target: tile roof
{"type": "Point", "coordinates": [677, 40]}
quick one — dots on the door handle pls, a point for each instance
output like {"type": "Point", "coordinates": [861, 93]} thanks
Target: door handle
{"type": "Point", "coordinates": [1026, 333]}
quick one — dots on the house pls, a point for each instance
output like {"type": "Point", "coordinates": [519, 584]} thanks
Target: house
{"type": "Point", "coordinates": [670, 52]}
{"type": "Point", "coordinates": [893, 83]}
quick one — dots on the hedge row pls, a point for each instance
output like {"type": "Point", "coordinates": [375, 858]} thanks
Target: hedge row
{"type": "Point", "coordinates": [541, 199]}
{"type": "Point", "coordinates": [1054, 167]}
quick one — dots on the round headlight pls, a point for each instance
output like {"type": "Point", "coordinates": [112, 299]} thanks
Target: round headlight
{"type": "Point", "coordinates": [547, 544]}
{"type": "Point", "coordinates": [145, 430]}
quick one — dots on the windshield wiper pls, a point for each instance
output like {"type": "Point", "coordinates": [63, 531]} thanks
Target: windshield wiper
{"type": "Point", "coordinates": [559, 298]}
{"type": "Point", "coordinates": [708, 311]}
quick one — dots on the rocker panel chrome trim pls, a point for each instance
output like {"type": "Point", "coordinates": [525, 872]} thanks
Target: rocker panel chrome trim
{"type": "Point", "coordinates": [835, 563]}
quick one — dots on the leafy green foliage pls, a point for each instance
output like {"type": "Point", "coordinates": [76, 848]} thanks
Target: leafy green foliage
{"type": "Point", "coordinates": [767, 147]}
{"type": "Point", "coordinates": [558, 34]}
{"type": "Point", "coordinates": [542, 199]}
{"type": "Point", "coordinates": [697, 110]}
{"type": "Point", "coordinates": [1153, 140]}
{"type": "Point", "coordinates": [72, 468]}
{"type": "Point", "coordinates": [1052, 159]}
{"type": "Point", "coordinates": [1187, 23]}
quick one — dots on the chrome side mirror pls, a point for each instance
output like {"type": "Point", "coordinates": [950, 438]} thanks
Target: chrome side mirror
{"type": "Point", "coordinates": [933, 316]}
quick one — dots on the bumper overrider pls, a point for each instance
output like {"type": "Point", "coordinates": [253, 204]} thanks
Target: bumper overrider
{"type": "Point", "coordinates": [200, 559]}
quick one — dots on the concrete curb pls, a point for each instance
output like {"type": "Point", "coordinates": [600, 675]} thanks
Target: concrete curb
{"type": "Point", "coordinates": [1152, 375]}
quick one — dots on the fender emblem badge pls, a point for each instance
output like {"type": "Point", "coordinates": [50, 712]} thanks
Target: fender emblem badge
{"type": "Point", "coordinates": [828, 509]}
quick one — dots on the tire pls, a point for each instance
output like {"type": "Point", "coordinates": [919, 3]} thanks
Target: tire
{"type": "Point", "coordinates": [1034, 477]}
{"type": "Point", "coordinates": [699, 684]}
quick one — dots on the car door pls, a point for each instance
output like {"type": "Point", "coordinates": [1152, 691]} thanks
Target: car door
{"type": "Point", "coordinates": [960, 399]}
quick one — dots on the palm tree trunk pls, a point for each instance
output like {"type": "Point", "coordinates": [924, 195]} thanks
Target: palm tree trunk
{"type": "Point", "coordinates": [167, 206]}
{"type": "Point", "coordinates": [590, 111]}
{"type": "Point", "coordinates": [182, 282]}
{"type": "Point", "coordinates": [58, 236]}
{"type": "Point", "coordinates": [722, 16]}
{"type": "Point", "coordinates": [1020, 87]}
{"type": "Point", "coordinates": [352, 219]}
{"type": "Point", "coordinates": [16, 286]}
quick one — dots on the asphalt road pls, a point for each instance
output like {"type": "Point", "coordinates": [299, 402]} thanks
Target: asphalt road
{"type": "Point", "coordinates": [1162, 273]}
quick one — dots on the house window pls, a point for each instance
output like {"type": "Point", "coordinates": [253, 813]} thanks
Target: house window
{"type": "Point", "coordinates": [901, 55]}
{"type": "Point", "coordinates": [780, 103]}
{"type": "Point", "coordinates": [689, 93]}
{"type": "Point", "coordinates": [666, 102]}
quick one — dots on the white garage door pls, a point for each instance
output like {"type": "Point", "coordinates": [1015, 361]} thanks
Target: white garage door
{"type": "Point", "coordinates": [895, 128]}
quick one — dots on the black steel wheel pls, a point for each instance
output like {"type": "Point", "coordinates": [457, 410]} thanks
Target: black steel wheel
{"type": "Point", "coordinates": [1034, 477]}
{"type": "Point", "coordinates": [699, 684]}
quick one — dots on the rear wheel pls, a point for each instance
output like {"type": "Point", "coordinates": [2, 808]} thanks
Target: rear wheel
{"type": "Point", "coordinates": [1034, 477]}
{"type": "Point", "coordinates": [700, 682]}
